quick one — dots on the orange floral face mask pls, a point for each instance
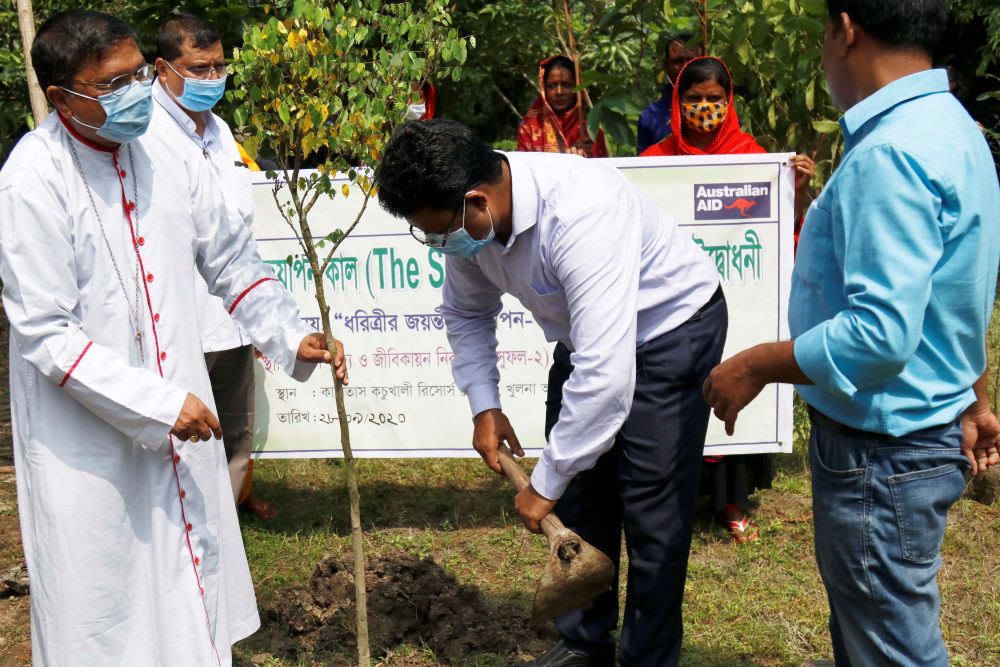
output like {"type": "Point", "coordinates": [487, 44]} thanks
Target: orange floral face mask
{"type": "Point", "coordinates": [704, 117]}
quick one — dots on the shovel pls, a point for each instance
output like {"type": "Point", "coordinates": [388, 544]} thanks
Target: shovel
{"type": "Point", "coordinates": [576, 572]}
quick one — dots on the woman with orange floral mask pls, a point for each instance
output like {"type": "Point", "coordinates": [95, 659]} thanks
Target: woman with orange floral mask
{"type": "Point", "coordinates": [702, 109]}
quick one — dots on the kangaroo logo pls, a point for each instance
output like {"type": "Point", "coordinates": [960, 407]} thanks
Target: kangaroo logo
{"type": "Point", "coordinates": [732, 201]}
{"type": "Point", "coordinates": [743, 206]}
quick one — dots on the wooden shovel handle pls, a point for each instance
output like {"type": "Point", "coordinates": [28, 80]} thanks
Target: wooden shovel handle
{"type": "Point", "coordinates": [551, 526]}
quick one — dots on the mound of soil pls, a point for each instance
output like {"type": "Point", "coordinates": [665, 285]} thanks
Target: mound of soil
{"type": "Point", "coordinates": [410, 602]}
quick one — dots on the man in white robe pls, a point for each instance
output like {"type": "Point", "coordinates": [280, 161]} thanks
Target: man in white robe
{"type": "Point", "coordinates": [127, 519]}
{"type": "Point", "coordinates": [190, 79]}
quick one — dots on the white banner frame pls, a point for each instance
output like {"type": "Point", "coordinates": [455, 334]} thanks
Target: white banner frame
{"type": "Point", "coordinates": [758, 313]}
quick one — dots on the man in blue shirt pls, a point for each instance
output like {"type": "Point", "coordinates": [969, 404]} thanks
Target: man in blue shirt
{"type": "Point", "coordinates": [891, 298]}
{"type": "Point", "coordinates": [654, 122]}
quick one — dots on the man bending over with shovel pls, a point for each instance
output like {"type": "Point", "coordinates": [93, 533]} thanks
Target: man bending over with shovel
{"type": "Point", "coordinates": [640, 320]}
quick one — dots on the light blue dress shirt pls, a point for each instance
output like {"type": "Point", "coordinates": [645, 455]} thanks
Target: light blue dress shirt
{"type": "Point", "coordinates": [896, 271]}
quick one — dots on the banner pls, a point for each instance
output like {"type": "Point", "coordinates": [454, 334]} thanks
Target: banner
{"type": "Point", "coordinates": [384, 290]}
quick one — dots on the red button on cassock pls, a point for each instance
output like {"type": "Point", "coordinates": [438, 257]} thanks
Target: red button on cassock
{"type": "Point", "coordinates": [122, 172]}
{"type": "Point", "coordinates": [140, 241]}
{"type": "Point", "coordinates": [197, 561]}
{"type": "Point", "coordinates": [156, 317]}
{"type": "Point", "coordinates": [131, 206]}
{"type": "Point", "coordinates": [177, 458]}
{"type": "Point", "coordinates": [149, 277]}
{"type": "Point", "coordinates": [183, 493]}
{"type": "Point", "coordinates": [188, 528]}
{"type": "Point", "coordinates": [163, 355]}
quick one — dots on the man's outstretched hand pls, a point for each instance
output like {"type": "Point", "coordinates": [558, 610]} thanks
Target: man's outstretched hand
{"type": "Point", "coordinates": [313, 349]}
{"type": "Point", "coordinates": [731, 386]}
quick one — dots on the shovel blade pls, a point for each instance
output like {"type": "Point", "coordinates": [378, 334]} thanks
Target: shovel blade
{"type": "Point", "coordinates": [575, 574]}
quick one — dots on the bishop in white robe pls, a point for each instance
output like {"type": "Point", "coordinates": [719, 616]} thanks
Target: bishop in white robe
{"type": "Point", "coordinates": [129, 532]}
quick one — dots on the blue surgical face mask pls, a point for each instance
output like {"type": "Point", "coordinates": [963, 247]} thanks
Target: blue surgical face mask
{"type": "Point", "coordinates": [127, 112]}
{"type": "Point", "coordinates": [459, 242]}
{"type": "Point", "coordinates": [199, 94]}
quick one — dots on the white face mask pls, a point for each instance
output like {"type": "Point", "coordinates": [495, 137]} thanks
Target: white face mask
{"type": "Point", "coordinates": [416, 111]}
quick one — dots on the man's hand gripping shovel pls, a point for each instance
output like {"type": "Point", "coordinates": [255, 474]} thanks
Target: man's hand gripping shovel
{"type": "Point", "coordinates": [576, 572]}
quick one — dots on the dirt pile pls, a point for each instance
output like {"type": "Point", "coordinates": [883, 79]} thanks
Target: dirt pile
{"type": "Point", "coordinates": [410, 602]}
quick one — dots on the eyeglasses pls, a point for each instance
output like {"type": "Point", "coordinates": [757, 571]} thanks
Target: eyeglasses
{"type": "Point", "coordinates": [204, 71]}
{"type": "Point", "coordinates": [433, 240]}
{"type": "Point", "coordinates": [122, 81]}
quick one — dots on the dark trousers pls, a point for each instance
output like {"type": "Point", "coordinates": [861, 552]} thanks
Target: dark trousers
{"type": "Point", "coordinates": [647, 484]}
{"type": "Point", "coordinates": [231, 375]}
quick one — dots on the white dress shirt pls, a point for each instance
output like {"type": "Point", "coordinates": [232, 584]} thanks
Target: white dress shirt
{"type": "Point", "coordinates": [218, 148]}
{"type": "Point", "coordinates": [602, 270]}
{"type": "Point", "coordinates": [130, 535]}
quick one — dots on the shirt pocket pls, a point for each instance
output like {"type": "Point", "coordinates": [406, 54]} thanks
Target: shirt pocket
{"type": "Point", "coordinates": [548, 306]}
{"type": "Point", "coordinates": [815, 251]}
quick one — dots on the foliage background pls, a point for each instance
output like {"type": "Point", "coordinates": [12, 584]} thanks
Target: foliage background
{"type": "Point", "coordinates": [772, 47]}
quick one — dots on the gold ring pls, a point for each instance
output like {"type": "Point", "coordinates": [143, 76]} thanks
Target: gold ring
{"type": "Point", "coordinates": [194, 437]}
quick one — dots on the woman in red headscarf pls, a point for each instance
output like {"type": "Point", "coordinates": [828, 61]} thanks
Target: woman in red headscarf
{"type": "Point", "coordinates": [704, 122]}
{"type": "Point", "coordinates": [553, 124]}
{"type": "Point", "coordinates": [703, 109]}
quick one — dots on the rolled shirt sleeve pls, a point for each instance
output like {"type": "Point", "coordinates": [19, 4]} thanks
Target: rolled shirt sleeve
{"type": "Point", "coordinates": [599, 275]}
{"type": "Point", "coordinates": [888, 247]}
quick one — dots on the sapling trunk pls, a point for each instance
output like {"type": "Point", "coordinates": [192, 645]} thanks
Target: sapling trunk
{"type": "Point", "coordinates": [350, 469]}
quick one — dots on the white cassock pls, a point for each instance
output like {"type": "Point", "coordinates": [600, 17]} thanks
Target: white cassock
{"type": "Point", "coordinates": [218, 149]}
{"type": "Point", "coordinates": [131, 537]}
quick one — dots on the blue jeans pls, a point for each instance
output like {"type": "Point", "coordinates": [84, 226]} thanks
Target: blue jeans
{"type": "Point", "coordinates": [880, 507]}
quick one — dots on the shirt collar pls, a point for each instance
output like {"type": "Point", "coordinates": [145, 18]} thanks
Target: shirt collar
{"type": "Point", "coordinates": [172, 107]}
{"type": "Point", "coordinates": [524, 197]}
{"type": "Point", "coordinates": [899, 91]}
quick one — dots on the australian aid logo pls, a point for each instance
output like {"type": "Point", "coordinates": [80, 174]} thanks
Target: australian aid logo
{"type": "Point", "coordinates": [732, 201]}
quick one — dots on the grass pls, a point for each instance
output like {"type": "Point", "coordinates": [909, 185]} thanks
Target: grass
{"type": "Point", "coordinates": [757, 604]}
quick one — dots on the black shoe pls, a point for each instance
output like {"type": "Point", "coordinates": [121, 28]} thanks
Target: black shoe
{"type": "Point", "coordinates": [560, 655]}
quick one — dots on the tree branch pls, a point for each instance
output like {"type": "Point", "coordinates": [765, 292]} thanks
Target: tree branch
{"type": "Point", "coordinates": [26, 22]}
{"type": "Point", "coordinates": [284, 216]}
{"type": "Point", "coordinates": [357, 219]}
{"type": "Point", "coordinates": [510, 105]}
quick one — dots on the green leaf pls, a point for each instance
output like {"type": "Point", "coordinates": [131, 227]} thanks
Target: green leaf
{"type": "Point", "coordinates": [594, 119]}
{"type": "Point", "coordinates": [826, 126]}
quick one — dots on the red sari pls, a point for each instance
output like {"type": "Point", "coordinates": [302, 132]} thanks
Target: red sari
{"type": "Point", "coordinates": [729, 138]}
{"type": "Point", "coordinates": [544, 131]}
